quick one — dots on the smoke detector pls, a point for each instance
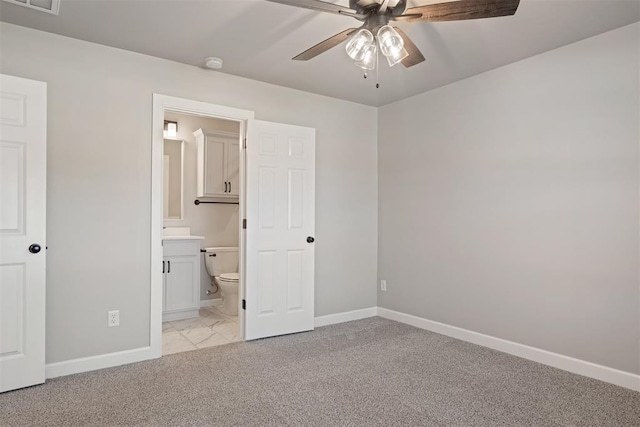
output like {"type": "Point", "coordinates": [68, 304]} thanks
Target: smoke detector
{"type": "Point", "coordinates": [213, 63]}
{"type": "Point", "coordinates": [49, 6]}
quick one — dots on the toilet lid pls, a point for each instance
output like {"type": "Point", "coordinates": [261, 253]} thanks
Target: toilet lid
{"type": "Point", "coordinates": [230, 277]}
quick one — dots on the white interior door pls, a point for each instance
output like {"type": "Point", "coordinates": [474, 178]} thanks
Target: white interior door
{"type": "Point", "coordinates": [23, 156]}
{"type": "Point", "coordinates": [280, 206]}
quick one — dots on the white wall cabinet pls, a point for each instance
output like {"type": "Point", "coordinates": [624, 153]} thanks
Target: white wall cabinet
{"type": "Point", "coordinates": [218, 167]}
{"type": "Point", "coordinates": [180, 279]}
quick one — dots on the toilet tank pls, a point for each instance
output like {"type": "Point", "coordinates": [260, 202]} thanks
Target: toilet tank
{"type": "Point", "coordinates": [221, 259]}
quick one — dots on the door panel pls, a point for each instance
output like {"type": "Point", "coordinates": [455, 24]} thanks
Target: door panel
{"type": "Point", "coordinates": [267, 266]}
{"type": "Point", "coordinates": [23, 126]}
{"type": "Point", "coordinates": [280, 202]}
{"type": "Point", "coordinates": [295, 206]}
{"type": "Point", "coordinates": [267, 198]}
{"type": "Point", "coordinates": [12, 178]}
{"type": "Point", "coordinates": [12, 307]}
{"type": "Point", "coordinates": [295, 282]}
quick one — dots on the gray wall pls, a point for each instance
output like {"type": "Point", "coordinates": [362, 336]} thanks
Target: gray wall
{"type": "Point", "coordinates": [508, 202]}
{"type": "Point", "coordinates": [98, 182]}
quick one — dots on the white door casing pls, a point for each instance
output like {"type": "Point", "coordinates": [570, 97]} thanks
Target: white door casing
{"type": "Point", "coordinates": [280, 206]}
{"type": "Point", "coordinates": [166, 170]}
{"type": "Point", "coordinates": [23, 156]}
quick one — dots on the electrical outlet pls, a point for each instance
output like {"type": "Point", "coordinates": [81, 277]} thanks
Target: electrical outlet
{"type": "Point", "coordinates": [383, 285]}
{"type": "Point", "coordinates": [113, 318]}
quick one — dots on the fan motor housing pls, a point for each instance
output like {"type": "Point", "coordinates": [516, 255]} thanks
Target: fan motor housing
{"type": "Point", "coordinates": [395, 8]}
{"type": "Point", "coordinates": [375, 21]}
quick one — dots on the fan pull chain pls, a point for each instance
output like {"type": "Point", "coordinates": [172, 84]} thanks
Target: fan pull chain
{"type": "Point", "coordinates": [377, 68]}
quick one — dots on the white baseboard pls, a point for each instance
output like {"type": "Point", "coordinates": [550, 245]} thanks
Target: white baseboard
{"type": "Point", "coordinates": [347, 316]}
{"type": "Point", "coordinates": [86, 364]}
{"type": "Point", "coordinates": [210, 302]}
{"type": "Point", "coordinates": [180, 315]}
{"type": "Point", "coordinates": [577, 366]}
{"type": "Point", "coordinates": [92, 363]}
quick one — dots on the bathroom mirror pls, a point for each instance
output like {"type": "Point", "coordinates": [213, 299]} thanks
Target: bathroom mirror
{"type": "Point", "coordinates": [172, 178]}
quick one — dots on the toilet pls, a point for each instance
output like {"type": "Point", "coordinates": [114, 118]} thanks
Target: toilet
{"type": "Point", "coordinates": [222, 265]}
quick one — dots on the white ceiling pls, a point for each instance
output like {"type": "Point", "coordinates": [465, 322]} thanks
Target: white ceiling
{"type": "Point", "coordinates": [257, 39]}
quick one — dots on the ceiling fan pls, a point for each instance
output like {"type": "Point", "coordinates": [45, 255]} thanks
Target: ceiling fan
{"type": "Point", "coordinates": [376, 33]}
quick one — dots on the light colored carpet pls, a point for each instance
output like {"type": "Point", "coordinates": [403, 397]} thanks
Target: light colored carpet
{"type": "Point", "coordinates": [363, 373]}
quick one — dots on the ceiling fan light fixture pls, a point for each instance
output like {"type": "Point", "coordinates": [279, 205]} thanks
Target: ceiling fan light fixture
{"type": "Point", "coordinates": [391, 44]}
{"type": "Point", "coordinates": [359, 44]}
{"type": "Point", "coordinates": [369, 59]}
{"type": "Point", "coordinates": [397, 57]}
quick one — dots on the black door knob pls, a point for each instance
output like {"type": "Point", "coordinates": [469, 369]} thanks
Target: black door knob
{"type": "Point", "coordinates": [34, 248]}
{"type": "Point", "coordinates": [310, 239]}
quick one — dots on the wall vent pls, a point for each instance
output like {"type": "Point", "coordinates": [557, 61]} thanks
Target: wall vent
{"type": "Point", "coordinates": [49, 6]}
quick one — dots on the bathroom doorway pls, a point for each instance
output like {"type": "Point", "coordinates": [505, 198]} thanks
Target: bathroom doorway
{"type": "Point", "coordinates": [198, 290]}
{"type": "Point", "coordinates": [270, 197]}
{"type": "Point", "coordinates": [201, 231]}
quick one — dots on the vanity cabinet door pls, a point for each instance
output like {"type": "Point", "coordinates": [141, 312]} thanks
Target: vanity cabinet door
{"type": "Point", "coordinates": [180, 275]}
{"type": "Point", "coordinates": [218, 167]}
{"type": "Point", "coordinates": [214, 167]}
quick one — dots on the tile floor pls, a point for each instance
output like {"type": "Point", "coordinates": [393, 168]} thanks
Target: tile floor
{"type": "Point", "coordinates": [211, 328]}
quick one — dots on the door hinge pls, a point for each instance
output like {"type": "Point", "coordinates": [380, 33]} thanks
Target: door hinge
{"type": "Point", "coordinates": [244, 143]}
{"type": "Point", "coordinates": [244, 224]}
{"type": "Point", "coordinates": [244, 304]}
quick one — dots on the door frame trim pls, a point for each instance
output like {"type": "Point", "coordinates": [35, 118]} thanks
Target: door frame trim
{"type": "Point", "coordinates": [188, 106]}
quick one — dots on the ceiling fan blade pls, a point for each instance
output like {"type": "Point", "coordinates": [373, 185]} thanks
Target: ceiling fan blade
{"type": "Point", "coordinates": [320, 6]}
{"type": "Point", "coordinates": [415, 56]}
{"type": "Point", "coordinates": [413, 16]}
{"type": "Point", "coordinates": [325, 45]}
{"type": "Point", "coordinates": [464, 9]}
{"type": "Point", "coordinates": [367, 3]}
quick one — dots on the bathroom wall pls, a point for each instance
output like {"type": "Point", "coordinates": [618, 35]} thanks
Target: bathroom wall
{"type": "Point", "coordinates": [99, 182]}
{"type": "Point", "coordinates": [508, 202]}
{"type": "Point", "coordinates": [218, 223]}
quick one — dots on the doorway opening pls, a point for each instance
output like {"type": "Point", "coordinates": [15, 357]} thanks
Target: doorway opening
{"type": "Point", "coordinates": [197, 212]}
{"type": "Point", "coordinates": [201, 232]}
